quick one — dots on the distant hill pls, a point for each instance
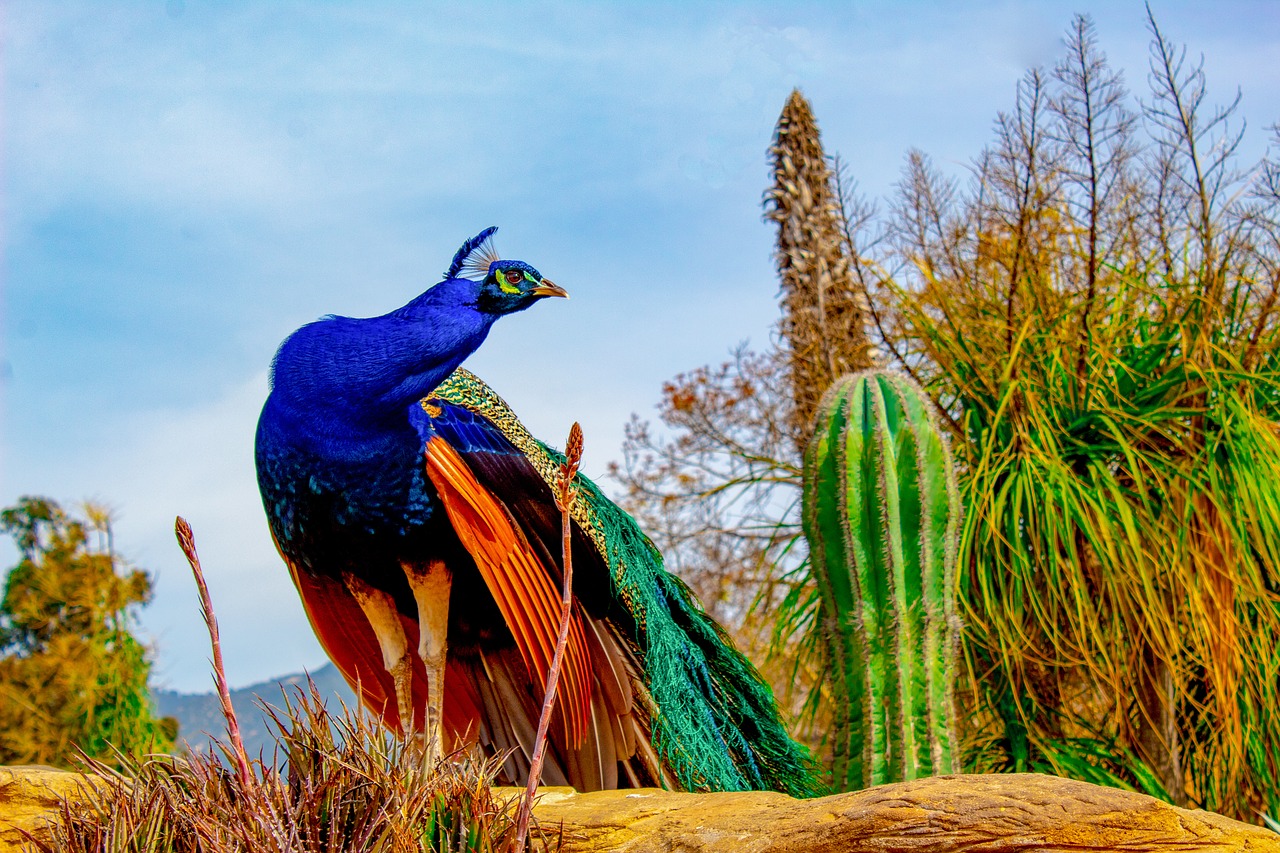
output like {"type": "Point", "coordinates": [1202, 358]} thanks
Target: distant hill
{"type": "Point", "coordinates": [199, 715]}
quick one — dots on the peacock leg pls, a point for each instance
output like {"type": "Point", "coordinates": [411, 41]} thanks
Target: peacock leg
{"type": "Point", "coordinates": [380, 609]}
{"type": "Point", "coordinates": [431, 584]}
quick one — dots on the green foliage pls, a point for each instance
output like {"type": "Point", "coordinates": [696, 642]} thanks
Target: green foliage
{"type": "Point", "coordinates": [1095, 314]}
{"type": "Point", "coordinates": [72, 675]}
{"type": "Point", "coordinates": [1096, 318]}
{"type": "Point", "coordinates": [1107, 354]}
{"type": "Point", "coordinates": [881, 515]}
{"type": "Point", "coordinates": [1119, 553]}
{"type": "Point", "coordinates": [348, 785]}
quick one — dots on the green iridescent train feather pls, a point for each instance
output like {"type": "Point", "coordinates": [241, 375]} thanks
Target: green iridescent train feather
{"type": "Point", "coordinates": [716, 725]}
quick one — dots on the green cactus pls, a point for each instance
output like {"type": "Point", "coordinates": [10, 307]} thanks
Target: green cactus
{"type": "Point", "coordinates": [881, 514]}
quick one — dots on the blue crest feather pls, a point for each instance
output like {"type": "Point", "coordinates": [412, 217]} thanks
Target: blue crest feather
{"type": "Point", "coordinates": [467, 249]}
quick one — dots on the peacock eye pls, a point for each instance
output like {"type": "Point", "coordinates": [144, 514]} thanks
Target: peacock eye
{"type": "Point", "coordinates": [514, 276]}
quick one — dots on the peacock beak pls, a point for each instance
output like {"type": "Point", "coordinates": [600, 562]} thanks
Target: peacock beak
{"type": "Point", "coordinates": [549, 288]}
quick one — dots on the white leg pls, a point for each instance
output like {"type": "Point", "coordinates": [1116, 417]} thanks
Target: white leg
{"type": "Point", "coordinates": [380, 609]}
{"type": "Point", "coordinates": [431, 584]}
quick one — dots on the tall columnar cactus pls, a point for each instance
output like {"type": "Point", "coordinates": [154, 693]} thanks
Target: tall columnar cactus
{"type": "Point", "coordinates": [881, 513]}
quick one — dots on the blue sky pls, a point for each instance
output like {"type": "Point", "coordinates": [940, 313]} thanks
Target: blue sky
{"type": "Point", "coordinates": [187, 182]}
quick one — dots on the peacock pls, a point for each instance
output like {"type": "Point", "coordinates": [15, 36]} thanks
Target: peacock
{"type": "Point", "coordinates": [417, 518]}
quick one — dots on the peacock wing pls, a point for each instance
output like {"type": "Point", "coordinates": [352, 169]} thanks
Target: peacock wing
{"type": "Point", "coordinates": [497, 496]}
{"type": "Point", "coordinates": [702, 707]}
{"type": "Point", "coordinates": [513, 561]}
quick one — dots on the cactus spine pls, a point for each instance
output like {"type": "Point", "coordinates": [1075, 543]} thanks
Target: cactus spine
{"type": "Point", "coordinates": [881, 514]}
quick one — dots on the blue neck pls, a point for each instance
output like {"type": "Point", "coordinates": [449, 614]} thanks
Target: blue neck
{"type": "Point", "coordinates": [344, 375]}
{"type": "Point", "coordinates": [336, 452]}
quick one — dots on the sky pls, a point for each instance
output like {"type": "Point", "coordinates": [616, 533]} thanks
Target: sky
{"type": "Point", "coordinates": [186, 182]}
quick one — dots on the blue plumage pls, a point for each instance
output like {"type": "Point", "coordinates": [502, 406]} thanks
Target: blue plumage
{"type": "Point", "coordinates": [341, 390]}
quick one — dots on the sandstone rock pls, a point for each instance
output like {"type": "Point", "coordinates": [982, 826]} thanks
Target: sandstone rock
{"type": "Point", "coordinates": [29, 798]}
{"type": "Point", "coordinates": [975, 814]}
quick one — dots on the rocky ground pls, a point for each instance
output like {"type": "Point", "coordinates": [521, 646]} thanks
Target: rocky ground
{"type": "Point", "coordinates": [975, 814]}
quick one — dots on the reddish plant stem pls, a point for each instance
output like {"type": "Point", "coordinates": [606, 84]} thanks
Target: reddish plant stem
{"type": "Point", "coordinates": [564, 502]}
{"type": "Point", "coordinates": [187, 541]}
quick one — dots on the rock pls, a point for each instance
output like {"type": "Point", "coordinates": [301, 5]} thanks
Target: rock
{"type": "Point", "coordinates": [29, 798]}
{"type": "Point", "coordinates": [976, 814]}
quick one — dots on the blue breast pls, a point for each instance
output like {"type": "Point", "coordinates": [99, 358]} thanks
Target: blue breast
{"type": "Point", "coordinates": [355, 489]}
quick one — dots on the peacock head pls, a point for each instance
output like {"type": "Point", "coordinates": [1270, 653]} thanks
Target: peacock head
{"type": "Point", "coordinates": [514, 286]}
{"type": "Point", "coordinates": [508, 286]}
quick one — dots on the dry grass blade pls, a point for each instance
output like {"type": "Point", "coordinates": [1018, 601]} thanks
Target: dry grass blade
{"type": "Point", "coordinates": [187, 541]}
{"type": "Point", "coordinates": [564, 502]}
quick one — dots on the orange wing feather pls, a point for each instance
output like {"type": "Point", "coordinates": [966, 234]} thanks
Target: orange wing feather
{"type": "Point", "coordinates": [523, 588]}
